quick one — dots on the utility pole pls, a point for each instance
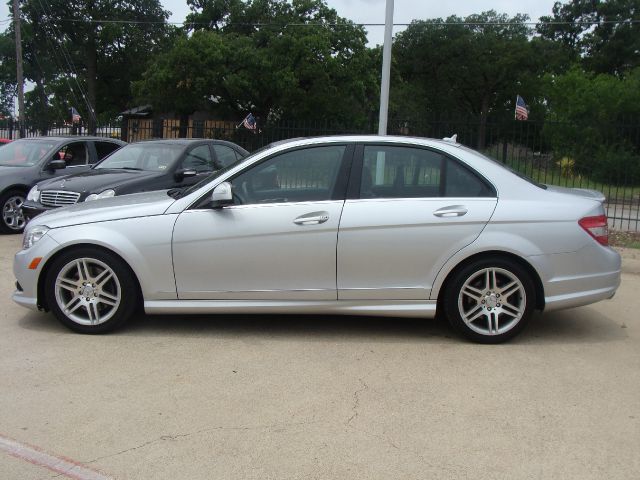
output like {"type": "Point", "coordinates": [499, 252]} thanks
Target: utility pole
{"type": "Point", "coordinates": [386, 69]}
{"type": "Point", "coordinates": [19, 75]}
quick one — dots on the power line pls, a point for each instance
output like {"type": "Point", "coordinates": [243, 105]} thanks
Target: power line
{"type": "Point", "coordinates": [345, 24]}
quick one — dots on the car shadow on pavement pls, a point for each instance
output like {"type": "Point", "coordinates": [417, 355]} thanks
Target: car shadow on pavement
{"type": "Point", "coordinates": [576, 325]}
{"type": "Point", "coordinates": [579, 325]}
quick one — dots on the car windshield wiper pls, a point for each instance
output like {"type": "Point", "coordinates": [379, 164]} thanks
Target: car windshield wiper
{"type": "Point", "coordinates": [130, 168]}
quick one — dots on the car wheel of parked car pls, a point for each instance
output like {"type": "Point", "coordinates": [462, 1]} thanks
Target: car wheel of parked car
{"type": "Point", "coordinates": [490, 300]}
{"type": "Point", "coordinates": [90, 290]}
{"type": "Point", "coordinates": [13, 220]}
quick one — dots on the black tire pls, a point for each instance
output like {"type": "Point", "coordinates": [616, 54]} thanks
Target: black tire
{"type": "Point", "coordinates": [12, 220]}
{"type": "Point", "coordinates": [486, 281]}
{"type": "Point", "coordinates": [106, 277]}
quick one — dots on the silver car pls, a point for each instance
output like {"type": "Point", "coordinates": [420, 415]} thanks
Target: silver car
{"type": "Point", "coordinates": [356, 225]}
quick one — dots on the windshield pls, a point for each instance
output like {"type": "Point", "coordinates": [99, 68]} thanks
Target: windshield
{"type": "Point", "coordinates": [151, 157]}
{"type": "Point", "coordinates": [24, 153]}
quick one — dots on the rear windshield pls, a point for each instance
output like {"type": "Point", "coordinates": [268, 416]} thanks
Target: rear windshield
{"type": "Point", "coordinates": [24, 153]}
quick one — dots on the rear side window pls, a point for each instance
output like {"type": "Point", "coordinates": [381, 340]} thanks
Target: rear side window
{"type": "Point", "coordinates": [462, 182]}
{"type": "Point", "coordinates": [409, 172]}
{"type": "Point", "coordinates": [105, 148]}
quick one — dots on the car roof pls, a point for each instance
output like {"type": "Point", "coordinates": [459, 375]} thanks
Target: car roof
{"type": "Point", "coordinates": [180, 141]}
{"type": "Point", "coordinates": [66, 138]}
{"type": "Point", "coordinates": [188, 141]}
{"type": "Point", "coordinates": [365, 138]}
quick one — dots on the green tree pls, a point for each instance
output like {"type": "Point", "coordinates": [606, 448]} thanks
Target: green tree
{"type": "Point", "coordinates": [600, 31]}
{"type": "Point", "coordinates": [589, 119]}
{"type": "Point", "coordinates": [474, 65]}
{"type": "Point", "coordinates": [88, 52]}
{"type": "Point", "coordinates": [274, 58]}
{"type": "Point", "coordinates": [7, 74]}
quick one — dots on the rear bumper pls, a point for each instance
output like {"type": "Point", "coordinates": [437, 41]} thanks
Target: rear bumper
{"type": "Point", "coordinates": [579, 278]}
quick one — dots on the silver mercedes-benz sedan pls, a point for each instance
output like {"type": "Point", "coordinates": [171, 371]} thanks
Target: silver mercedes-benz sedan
{"type": "Point", "coordinates": [357, 225]}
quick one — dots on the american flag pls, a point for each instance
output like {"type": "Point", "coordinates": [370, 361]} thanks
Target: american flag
{"type": "Point", "coordinates": [75, 116]}
{"type": "Point", "coordinates": [522, 112]}
{"type": "Point", "coordinates": [250, 123]}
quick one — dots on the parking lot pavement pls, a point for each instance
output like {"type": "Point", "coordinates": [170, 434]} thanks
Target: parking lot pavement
{"type": "Point", "coordinates": [303, 397]}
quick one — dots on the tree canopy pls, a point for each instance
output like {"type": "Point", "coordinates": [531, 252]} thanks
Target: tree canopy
{"type": "Point", "coordinates": [298, 59]}
{"type": "Point", "coordinates": [272, 57]}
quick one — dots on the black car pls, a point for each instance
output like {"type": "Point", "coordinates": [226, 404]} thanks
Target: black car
{"type": "Point", "coordinates": [25, 162]}
{"type": "Point", "coordinates": [138, 167]}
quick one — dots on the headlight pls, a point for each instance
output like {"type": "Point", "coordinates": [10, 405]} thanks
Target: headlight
{"type": "Point", "coordinates": [34, 194]}
{"type": "Point", "coordinates": [98, 196]}
{"type": "Point", "coordinates": [32, 235]}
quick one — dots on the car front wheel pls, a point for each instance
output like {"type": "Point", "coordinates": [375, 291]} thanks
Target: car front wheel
{"type": "Point", "coordinates": [90, 290]}
{"type": "Point", "coordinates": [490, 300]}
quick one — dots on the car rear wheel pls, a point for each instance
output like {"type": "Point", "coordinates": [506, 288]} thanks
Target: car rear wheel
{"type": "Point", "coordinates": [490, 300]}
{"type": "Point", "coordinates": [90, 290]}
{"type": "Point", "coordinates": [13, 220]}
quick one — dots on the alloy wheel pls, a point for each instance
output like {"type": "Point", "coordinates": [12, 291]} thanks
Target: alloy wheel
{"type": "Point", "coordinates": [492, 301]}
{"type": "Point", "coordinates": [12, 213]}
{"type": "Point", "coordinates": [87, 291]}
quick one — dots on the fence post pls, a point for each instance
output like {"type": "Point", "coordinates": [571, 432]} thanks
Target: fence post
{"type": "Point", "coordinates": [157, 128]}
{"type": "Point", "coordinates": [124, 129]}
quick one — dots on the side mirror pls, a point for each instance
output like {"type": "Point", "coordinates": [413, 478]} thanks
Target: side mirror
{"type": "Point", "coordinates": [186, 173]}
{"type": "Point", "coordinates": [222, 195]}
{"type": "Point", "coordinates": [56, 164]}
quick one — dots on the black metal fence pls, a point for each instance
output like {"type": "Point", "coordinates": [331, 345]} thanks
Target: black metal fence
{"type": "Point", "coordinates": [599, 157]}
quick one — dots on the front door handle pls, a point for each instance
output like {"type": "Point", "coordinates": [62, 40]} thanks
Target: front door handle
{"type": "Point", "coordinates": [451, 211]}
{"type": "Point", "coordinates": [313, 218]}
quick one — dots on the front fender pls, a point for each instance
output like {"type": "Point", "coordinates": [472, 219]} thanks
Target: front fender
{"type": "Point", "coordinates": [143, 243]}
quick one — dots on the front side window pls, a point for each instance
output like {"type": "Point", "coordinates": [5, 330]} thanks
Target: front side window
{"type": "Point", "coordinates": [199, 159]}
{"type": "Point", "coordinates": [409, 172]}
{"type": "Point", "coordinates": [226, 155]}
{"type": "Point", "coordinates": [303, 175]}
{"type": "Point", "coordinates": [74, 154]}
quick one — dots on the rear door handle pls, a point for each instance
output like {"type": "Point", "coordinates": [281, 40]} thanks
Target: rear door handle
{"type": "Point", "coordinates": [451, 211]}
{"type": "Point", "coordinates": [313, 218]}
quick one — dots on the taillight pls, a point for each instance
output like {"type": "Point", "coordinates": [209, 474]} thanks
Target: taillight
{"type": "Point", "coordinates": [597, 228]}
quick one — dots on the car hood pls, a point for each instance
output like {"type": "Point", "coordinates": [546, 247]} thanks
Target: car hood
{"type": "Point", "coordinates": [580, 192]}
{"type": "Point", "coordinates": [97, 180]}
{"type": "Point", "coordinates": [116, 208]}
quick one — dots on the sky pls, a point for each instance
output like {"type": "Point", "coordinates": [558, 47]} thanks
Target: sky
{"type": "Point", "coordinates": [372, 11]}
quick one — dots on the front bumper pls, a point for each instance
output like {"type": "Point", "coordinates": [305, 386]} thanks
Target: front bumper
{"type": "Point", "coordinates": [33, 209]}
{"type": "Point", "coordinates": [26, 294]}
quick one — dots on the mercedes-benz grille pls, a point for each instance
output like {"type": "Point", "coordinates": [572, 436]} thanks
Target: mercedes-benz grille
{"type": "Point", "coordinates": [58, 198]}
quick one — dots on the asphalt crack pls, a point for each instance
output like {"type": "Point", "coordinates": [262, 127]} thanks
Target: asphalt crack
{"type": "Point", "coordinates": [173, 437]}
{"type": "Point", "coordinates": [356, 401]}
